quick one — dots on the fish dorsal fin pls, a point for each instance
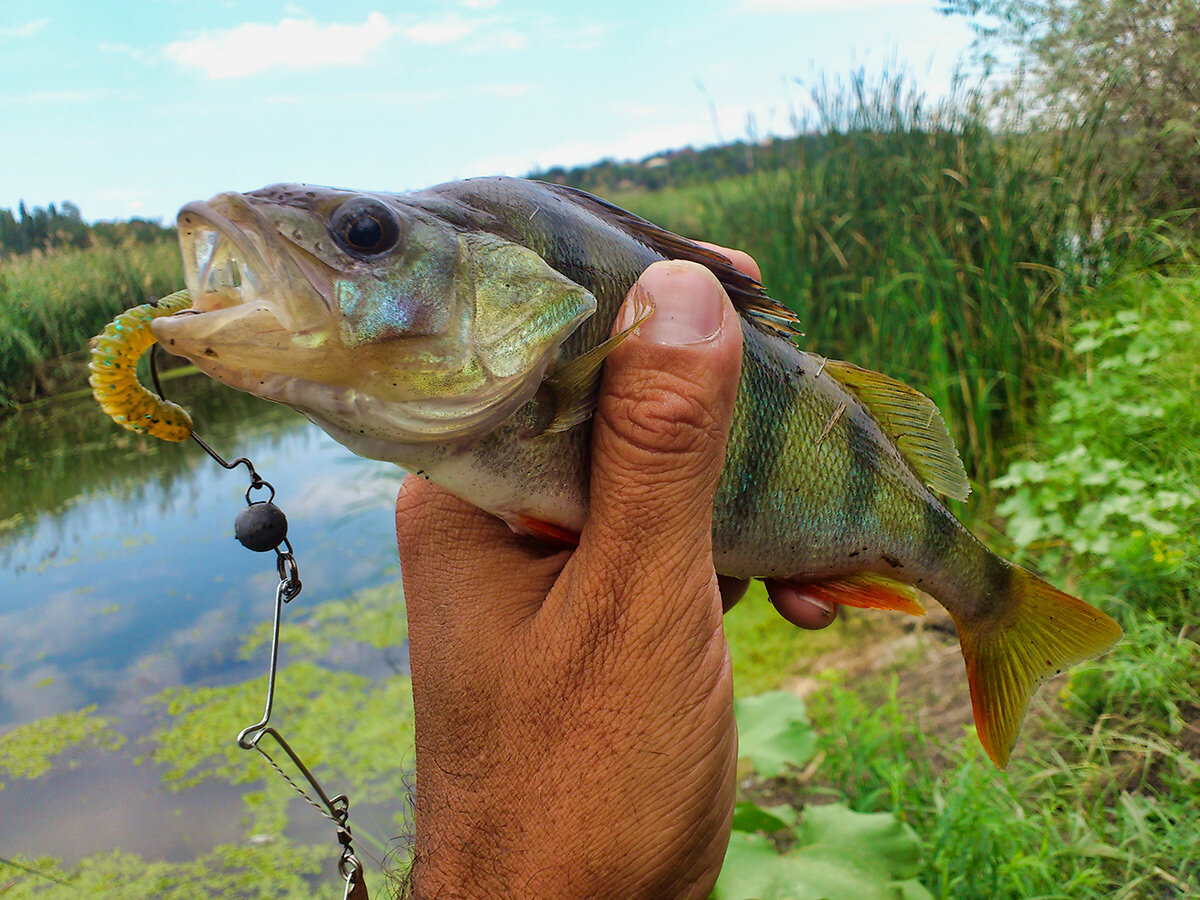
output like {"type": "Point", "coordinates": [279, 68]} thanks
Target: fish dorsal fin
{"type": "Point", "coordinates": [911, 420]}
{"type": "Point", "coordinates": [748, 295]}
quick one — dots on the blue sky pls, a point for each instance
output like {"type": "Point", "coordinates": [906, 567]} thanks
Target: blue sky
{"type": "Point", "coordinates": [135, 108]}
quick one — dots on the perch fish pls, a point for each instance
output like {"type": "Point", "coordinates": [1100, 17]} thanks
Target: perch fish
{"type": "Point", "coordinates": [460, 332]}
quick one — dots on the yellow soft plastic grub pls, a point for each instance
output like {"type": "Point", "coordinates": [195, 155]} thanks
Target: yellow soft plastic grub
{"type": "Point", "coordinates": [115, 354]}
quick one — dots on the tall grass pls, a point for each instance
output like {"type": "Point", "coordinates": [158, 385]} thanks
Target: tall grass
{"type": "Point", "coordinates": [52, 303]}
{"type": "Point", "coordinates": [917, 240]}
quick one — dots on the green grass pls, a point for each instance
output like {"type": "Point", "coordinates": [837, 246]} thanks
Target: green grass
{"type": "Point", "coordinates": [52, 303]}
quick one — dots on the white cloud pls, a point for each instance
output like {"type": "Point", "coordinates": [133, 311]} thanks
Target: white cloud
{"type": "Point", "coordinates": [29, 29]}
{"type": "Point", "coordinates": [812, 6]}
{"type": "Point", "coordinates": [292, 43]}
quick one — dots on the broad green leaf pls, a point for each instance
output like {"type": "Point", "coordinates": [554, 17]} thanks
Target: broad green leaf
{"type": "Point", "coordinates": [752, 818]}
{"type": "Point", "coordinates": [841, 855]}
{"type": "Point", "coordinates": [773, 732]}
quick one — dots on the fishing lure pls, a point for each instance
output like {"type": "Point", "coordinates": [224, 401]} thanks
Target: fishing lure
{"type": "Point", "coordinates": [114, 381]}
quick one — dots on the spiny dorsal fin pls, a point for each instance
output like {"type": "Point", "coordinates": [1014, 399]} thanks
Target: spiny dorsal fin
{"type": "Point", "coordinates": [912, 420]}
{"type": "Point", "coordinates": [748, 295]}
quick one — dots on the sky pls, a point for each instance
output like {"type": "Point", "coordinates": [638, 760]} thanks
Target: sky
{"type": "Point", "coordinates": [134, 108]}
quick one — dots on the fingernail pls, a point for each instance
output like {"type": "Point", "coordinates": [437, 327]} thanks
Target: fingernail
{"type": "Point", "coordinates": [687, 302]}
{"type": "Point", "coordinates": [824, 606]}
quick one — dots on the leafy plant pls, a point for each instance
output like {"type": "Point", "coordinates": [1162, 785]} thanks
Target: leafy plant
{"type": "Point", "coordinates": [1116, 490]}
{"type": "Point", "coordinates": [773, 732]}
{"type": "Point", "coordinates": [828, 852]}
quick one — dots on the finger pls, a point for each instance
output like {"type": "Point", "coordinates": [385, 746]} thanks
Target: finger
{"type": "Point", "coordinates": [732, 590]}
{"type": "Point", "coordinates": [661, 425]}
{"type": "Point", "coordinates": [799, 608]}
{"type": "Point", "coordinates": [742, 261]}
{"type": "Point", "coordinates": [464, 565]}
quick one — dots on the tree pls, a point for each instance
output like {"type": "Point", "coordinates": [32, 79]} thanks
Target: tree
{"type": "Point", "coordinates": [1129, 67]}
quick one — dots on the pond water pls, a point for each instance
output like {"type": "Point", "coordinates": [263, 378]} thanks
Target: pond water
{"type": "Point", "coordinates": [120, 576]}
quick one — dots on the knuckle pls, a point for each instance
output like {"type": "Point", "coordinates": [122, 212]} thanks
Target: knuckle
{"type": "Point", "coordinates": [665, 416]}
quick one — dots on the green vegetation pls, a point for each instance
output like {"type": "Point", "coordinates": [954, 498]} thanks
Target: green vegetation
{"type": "Point", "coordinates": [52, 303]}
{"type": "Point", "coordinates": [30, 750]}
{"type": "Point", "coordinates": [1127, 65]}
{"type": "Point", "coordinates": [54, 228]}
{"type": "Point", "coordinates": [922, 222]}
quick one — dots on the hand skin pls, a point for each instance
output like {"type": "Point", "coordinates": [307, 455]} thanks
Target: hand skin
{"type": "Point", "coordinates": [574, 722]}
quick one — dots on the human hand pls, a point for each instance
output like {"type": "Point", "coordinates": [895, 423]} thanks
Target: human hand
{"type": "Point", "coordinates": [574, 723]}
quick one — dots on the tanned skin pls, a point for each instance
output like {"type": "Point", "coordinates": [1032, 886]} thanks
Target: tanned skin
{"type": "Point", "coordinates": [574, 721]}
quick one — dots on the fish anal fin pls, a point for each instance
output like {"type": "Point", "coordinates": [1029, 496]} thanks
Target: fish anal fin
{"type": "Point", "coordinates": [545, 531]}
{"type": "Point", "coordinates": [1046, 632]}
{"type": "Point", "coordinates": [912, 421]}
{"type": "Point", "coordinates": [866, 590]}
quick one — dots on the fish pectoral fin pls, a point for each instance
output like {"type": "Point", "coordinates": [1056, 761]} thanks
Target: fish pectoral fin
{"type": "Point", "coordinates": [575, 384]}
{"type": "Point", "coordinates": [866, 590]}
{"type": "Point", "coordinates": [1044, 632]}
{"type": "Point", "coordinates": [913, 421]}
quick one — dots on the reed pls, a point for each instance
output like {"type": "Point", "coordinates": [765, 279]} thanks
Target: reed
{"type": "Point", "coordinates": [52, 303]}
{"type": "Point", "coordinates": [918, 240]}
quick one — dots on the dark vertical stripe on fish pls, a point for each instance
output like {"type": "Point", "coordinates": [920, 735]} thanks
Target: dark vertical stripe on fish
{"type": "Point", "coordinates": [761, 441]}
{"type": "Point", "coordinates": [998, 576]}
{"type": "Point", "coordinates": [861, 476]}
{"type": "Point", "coordinates": [941, 532]}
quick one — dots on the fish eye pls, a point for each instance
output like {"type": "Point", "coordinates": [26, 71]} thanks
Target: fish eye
{"type": "Point", "coordinates": [365, 227]}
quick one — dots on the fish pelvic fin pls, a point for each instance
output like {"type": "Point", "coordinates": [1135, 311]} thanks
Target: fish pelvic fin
{"type": "Point", "coordinates": [866, 590]}
{"type": "Point", "coordinates": [1045, 632]}
{"type": "Point", "coordinates": [547, 532]}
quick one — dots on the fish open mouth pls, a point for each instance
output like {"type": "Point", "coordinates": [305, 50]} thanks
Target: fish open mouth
{"type": "Point", "coordinates": [219, 273]}
{"type": "Point", "coordinates": [252, 310]}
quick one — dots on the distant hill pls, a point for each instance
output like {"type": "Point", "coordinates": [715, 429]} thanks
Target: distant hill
{"type": "Point", "coordinates": [679, 168]}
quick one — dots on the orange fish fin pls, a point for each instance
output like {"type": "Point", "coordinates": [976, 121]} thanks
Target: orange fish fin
{"type": "Point", "coordinates": [867, 590]}
{"type": "Point", "coordinates": [547, 531]}
{"type": "Point", "coordinates": [1046, 632]}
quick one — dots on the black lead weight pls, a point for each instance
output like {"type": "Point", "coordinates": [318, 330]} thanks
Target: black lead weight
{"type": "Point", "coordinates": [261, 527]}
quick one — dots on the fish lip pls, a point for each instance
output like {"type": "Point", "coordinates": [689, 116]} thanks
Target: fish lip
{"type": "Point", "coordinates": [229, 261]}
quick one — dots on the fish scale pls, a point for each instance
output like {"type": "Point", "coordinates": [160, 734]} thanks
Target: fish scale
{"type": "Point", "coordinates": [460, 332]}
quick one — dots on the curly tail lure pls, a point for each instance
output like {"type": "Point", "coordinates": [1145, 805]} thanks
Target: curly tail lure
{"type": "Point", "coordinates": [114, 381]}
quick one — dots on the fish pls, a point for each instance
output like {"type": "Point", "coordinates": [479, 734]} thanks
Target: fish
{"type": "Point", "coordinates": [460, 331]}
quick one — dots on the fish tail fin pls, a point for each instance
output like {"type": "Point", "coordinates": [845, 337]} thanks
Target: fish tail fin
{"type": "Point", "coordinates": [1042, 632]}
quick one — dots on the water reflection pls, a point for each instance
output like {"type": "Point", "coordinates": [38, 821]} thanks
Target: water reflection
{"type": "Point", "coordinates": [120, 576]}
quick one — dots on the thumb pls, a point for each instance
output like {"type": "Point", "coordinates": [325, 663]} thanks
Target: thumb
{"type": "Point", "coordinates": [662, 422]}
